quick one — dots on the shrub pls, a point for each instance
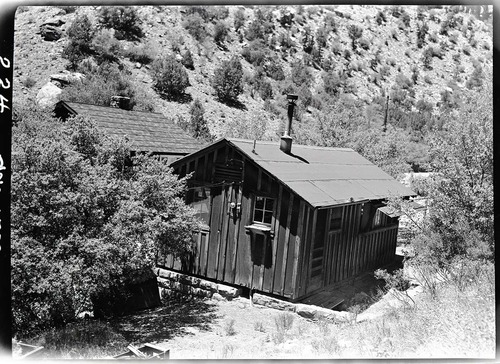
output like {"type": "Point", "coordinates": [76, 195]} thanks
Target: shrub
{"type": "Point", "coordinates": [274, 70]}
{"type": "Point", "coordinates": [403, 81]}
{"type": "Point", "coordinates": [265, 90]}
{"type": "Point", "coordinates": [332, 83]}
{"type": "Point", "coordinates": [286, 18]}
{"type": "Point", "coordinates": [427, 57]}
{"type": "Point", "coordinates": [28, 82]}
{"type": "Point", "coordinates": [187, 60]}
{"type": "Point", "coordinates": [384, 71]}
{"type": "Point", "coordinates": [100, 84]}
{"type": "Point", "coordinates": [123, 19]}
{"type": "Point", "coordinates": [433, 37]}
{"type": "Point", "coordinates": [380, 17]}
{"type": "Point", "coordinates": [421, 33]}
{"type": "Point", "coordinates": [259, 326]}
{"type": "Point", "coordinates": [466, 49]}
{"type": "Point", "coordinates": [322, 37]}
{"type": "Point", "coordinates": [364, 43]}
{"type": "Point", "coordinates": [256, 53]}
{"type": "Point", "coordinates": [301, 74]}
{"type": "Point", "coordinates": [355, 32]}
{"type": "Point", "coordinates": [428, 79]}
{"type": "Point", "coordinates": [336, 48]}
{"type": "Point", "coordinates": [220, 32]}
{"type": "Point", "coordinates": [197, 124]}
{"type": "Point", "coordinates": [476, 78]}
{"type": "Point", "coordinates": [330, 23]}
{"type": "Point", "coordinates": [227, 80]}
{"type": "Point", "coordinates": [217, 12]}
{"type": "Point", "coordinates": [106, 47]}
{"type": "Point", "coordinates": [229, 327]}
{"type": "Point", "coordinates": [169, 76]}
{"type": "Point", "coordinates": [80, 34]}
{"type": "Point", "coordinates": [307, 40]}
{"type": "Point", "coordinates": [143, 53]}
{"type": "Point", "coordinates": [285, 41]}
{"type": "Point", "coordinates": [195, 25]}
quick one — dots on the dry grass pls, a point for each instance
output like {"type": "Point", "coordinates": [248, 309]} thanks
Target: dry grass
{"type": "Point", "coordinates": [457, 321]}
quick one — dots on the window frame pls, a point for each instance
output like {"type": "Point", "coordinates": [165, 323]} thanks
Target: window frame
{"type": "Point", "coordinates": [264, 210]}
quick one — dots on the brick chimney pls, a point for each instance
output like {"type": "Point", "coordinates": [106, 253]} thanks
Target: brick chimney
{"type": "Point", "coordinates": [120, 102]}
{"type": "Point", "coordinates": [286, 139]}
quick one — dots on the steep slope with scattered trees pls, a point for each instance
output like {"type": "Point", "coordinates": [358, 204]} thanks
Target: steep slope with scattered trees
{"type": "Point", "coordinates": [407, 67]}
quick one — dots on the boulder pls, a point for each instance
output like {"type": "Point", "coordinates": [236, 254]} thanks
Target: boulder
{"type": "Point", "coordinates": [227, 291]}
{"type": "Point", "coordinates": [317, 313]}
{"type": "Point", "coordinates": [271, 302]}
{"type": "Point", "coordinates": [48, 95]}
{"type": "Point", "coordinates": [218, 297]}
{"type": "Point", "coordinates": [56, 22]}
{"type": "Point", "coordinates": [50, 33]}
{"type": "Point", "coordinates": [67, 78]}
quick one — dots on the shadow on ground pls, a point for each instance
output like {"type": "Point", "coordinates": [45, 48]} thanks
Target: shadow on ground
{"type": "Point", "coordinates": [169, 320]}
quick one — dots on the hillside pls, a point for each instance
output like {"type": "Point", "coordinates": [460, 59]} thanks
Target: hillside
{"type": "Point", "coordinates": [362, 52]}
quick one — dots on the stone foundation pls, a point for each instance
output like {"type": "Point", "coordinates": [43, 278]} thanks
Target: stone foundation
{"type": "Point", "coordinates": [171, 283]}
{"type": "Point", "coordinates": [307, 311]}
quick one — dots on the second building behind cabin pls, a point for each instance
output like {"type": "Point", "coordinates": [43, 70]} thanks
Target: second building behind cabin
{"type": "Point", "coordinates": [286, 222]}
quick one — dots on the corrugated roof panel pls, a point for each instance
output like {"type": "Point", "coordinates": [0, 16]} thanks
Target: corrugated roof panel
{"type": "Point", "coordinates": [386, 188]}
{"type": "Point", "coordinates": [311, 193]}
{"type": "Point", "coordinates": [317, 171]}
{"type": "Point", "coordinates": [270, 151]}
{"type": "Point", "coordinates": [344, 190]}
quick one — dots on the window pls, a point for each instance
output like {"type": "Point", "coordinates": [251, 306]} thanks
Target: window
{"type": "Point", "coordinates": [263, 210]}
{"type": "Point", "coordinates": [200, 201]}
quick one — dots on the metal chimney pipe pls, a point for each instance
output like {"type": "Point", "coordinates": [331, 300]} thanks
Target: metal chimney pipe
{"type": "Point", "coordinates": [286, 139]}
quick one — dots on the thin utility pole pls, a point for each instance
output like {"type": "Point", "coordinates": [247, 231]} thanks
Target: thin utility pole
{"type": "Point", "coordinates": [384, 129]}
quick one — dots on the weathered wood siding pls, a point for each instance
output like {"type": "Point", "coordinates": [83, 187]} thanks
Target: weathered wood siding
{"type": "Point", "coordinates": [224, 249]}
{"type": "Point", "coordinates": [349, 252]}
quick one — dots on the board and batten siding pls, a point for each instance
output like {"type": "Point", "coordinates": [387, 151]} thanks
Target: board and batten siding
{"type": "Point", "coordinates": [224, 247]}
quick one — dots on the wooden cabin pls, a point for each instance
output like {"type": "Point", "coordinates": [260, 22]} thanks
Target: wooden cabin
{"type": "Point", "coordinates": [286, 221]}
{"type": "Point", "coordinates": [147, 132]}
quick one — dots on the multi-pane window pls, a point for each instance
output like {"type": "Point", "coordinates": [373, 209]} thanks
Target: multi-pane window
{"type": "Point", "coordinates": [263, 210]}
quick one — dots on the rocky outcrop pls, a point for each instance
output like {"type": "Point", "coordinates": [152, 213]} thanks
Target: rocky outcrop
{"type": "Point", "coordinates": [50, 33]}
{"type": "Point", "coordinates": [50, 30]}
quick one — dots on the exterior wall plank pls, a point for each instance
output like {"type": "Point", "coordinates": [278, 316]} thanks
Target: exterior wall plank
{"type": "Point", "coordinates": [290, 260]}
{"type": "Point", "coordinates": [269, 273]}
{"type": "Point", "coordinates": [285, 207]}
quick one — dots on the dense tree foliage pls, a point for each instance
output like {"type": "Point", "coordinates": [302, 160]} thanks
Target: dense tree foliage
{"type": "Point", "coordinates": [80, 35]}
{"type": "Point", "coordinates": [228, 80]}
{"type": "Point", "coordinates": [169, 76]}
{"type": "Point", "coordinates": [84, 217]}
{"type": "Point", "coordinates": [123, 19]}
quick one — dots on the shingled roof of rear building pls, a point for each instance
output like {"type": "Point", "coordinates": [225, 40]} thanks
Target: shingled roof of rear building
{"type": "Point", "coordinates": [147, 132]}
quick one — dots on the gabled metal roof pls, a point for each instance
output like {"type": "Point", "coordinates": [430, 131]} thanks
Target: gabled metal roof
{"type": "Point", "coordinates": [147, 132]}
{"type": "Point", "coordinates": [323, 176]}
